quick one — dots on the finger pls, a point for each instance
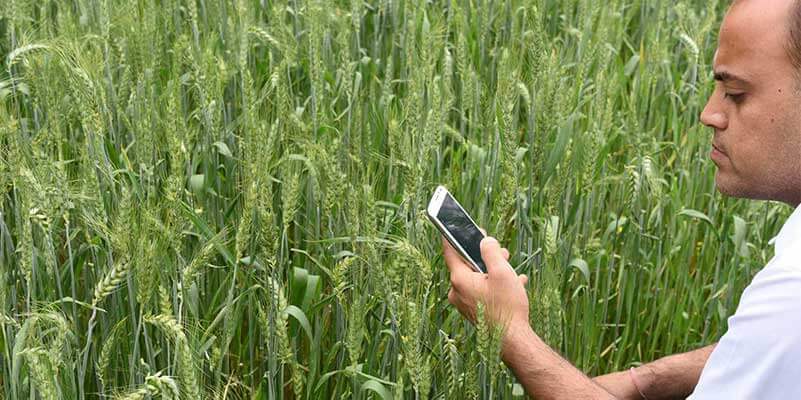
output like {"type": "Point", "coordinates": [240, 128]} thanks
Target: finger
{"type": "Point", "coordinates": [453, 260]}
{"type": "Point", "coordinates": [523, 279]}
{"type": "Point", "coordinates": [493, 256]}
{"type": "Point", "coordinates": [459, 280]}
{"type": "Point", "coordinates": [466, 306]}
{"type": "Point", "coordinates": [452, 296]}
{"type": "Point", "coordinates": [469, 285]}
{"type": "Point", "coordinates": [505, 252]}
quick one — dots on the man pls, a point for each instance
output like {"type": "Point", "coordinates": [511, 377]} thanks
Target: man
{"type": "Point", "coordinates": [755, 112]}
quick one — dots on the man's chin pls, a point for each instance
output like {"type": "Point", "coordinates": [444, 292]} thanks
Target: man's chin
{"type": "Point", "coordinates": [731, 187]}
{"type": "Point", "coordinates": [725, 192]}
{"type": "Point", "coordinates": [726, 186]}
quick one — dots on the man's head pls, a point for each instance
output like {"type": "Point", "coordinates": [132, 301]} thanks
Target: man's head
{"type": "Point", "coordinates": [755, 110]}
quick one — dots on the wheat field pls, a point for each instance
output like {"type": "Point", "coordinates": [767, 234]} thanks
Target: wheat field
{"type": "Point", "coordinates": [225, 199]}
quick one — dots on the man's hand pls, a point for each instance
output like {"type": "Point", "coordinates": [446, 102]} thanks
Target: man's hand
{"type": "Point", "coordinates": [542, 372]}
{"type": "Point", "coordinates": [501, 290]}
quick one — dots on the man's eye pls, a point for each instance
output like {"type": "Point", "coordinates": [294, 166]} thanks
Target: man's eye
{"type": "Point", "coordinates": [735, 97]}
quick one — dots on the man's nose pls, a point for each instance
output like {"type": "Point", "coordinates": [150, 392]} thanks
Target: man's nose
{"type": "Point", "coordinates": [713, 116]}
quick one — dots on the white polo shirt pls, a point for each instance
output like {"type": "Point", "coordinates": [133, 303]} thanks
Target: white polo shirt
{"type": "Point", "coordinates": [759, 357]}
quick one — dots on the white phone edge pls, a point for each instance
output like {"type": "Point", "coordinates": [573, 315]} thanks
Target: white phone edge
{"type": "Point", "coordinates": [433, 209]}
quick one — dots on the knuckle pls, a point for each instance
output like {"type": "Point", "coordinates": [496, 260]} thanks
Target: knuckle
{"type": "Point", "coordinates": [456, 281]}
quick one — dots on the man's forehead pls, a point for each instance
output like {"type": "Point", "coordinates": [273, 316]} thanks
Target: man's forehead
{"type": "Point", "coordinates": [753, 36]}
{"type": "Point", "coordinates": [731, 69]}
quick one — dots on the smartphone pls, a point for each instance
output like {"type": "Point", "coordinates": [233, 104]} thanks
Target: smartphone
{"type": "Point", "coordinates": [457, 227]}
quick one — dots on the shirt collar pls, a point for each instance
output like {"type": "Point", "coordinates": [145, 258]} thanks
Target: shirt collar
{"type": "Point", "coordinates": [790, 232]}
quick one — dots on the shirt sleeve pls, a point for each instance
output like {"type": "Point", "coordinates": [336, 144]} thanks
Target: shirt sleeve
{"type": "Point", "coordinates": [759, 357]}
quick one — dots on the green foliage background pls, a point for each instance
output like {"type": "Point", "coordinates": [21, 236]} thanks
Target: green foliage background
{"type": "Point", "coordinates": [224, 199]}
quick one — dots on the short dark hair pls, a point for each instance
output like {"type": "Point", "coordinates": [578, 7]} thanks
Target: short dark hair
{"type": "Point", "coordinates": [794, 44]}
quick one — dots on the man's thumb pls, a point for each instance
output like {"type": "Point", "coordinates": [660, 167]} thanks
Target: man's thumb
{"type": "Point", "coordinates": [491, 254]}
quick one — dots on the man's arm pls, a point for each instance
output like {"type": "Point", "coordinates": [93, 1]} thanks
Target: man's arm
{"type": "Point", "coordinates": [546, 375]}
{"type": "Point", "coordinates": [543, 373]}
{"type": "Point", "coordinates": [671, 377]}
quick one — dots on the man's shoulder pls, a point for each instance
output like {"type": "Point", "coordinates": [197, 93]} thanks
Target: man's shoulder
{"type": "Point", "coordinates": [771, 301]}
{"type": "Point", "coordinates": [783, 272]}
{"type": "Point", "coordinates": [760, 354]}
{"type": "Point", "coordinates": [787, 263]}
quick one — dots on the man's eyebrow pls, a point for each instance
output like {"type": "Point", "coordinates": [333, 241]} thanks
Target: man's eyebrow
{"type": "Point", "coordinates": [725, 76]}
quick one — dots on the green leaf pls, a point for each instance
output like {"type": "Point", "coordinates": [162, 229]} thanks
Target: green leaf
{"type": "Point", "coordinates": [631, 64]}
{"type": "Point", "coordinates": [260, 392]}
{"type": "Point", "coordinates": [582, 266]}
{"type": "Point", "coordinates": [16, 355]}
{"type": "Point", "coordinates": [196, 182]}
{"type": "Point", "coordinates": [80, 303]}
{"type": "Point", "coordinates": [696, 214]}
{"type": "Point", "coordinates": [616, 226]}
{"type": "Point", "coordinates": [324, 378]}
{"type": "Point", "coordinates": [378, 388]}
{"type": "Point", "coordinates": [300, 277]}
{"type": "Point", "coordinates": [517, 390]}
{"type": "Point", "coordinates": [300, 316]}
{"type": "Point", "coordinates": [312, 290]}
{"type": "Point", "coordinates": [701, 216]}
{"type": "Point", "coordinates": [520, 153]}
{"type": "Point", "coordinates": [223, 149]}
{"type": "Point", "coordinates": [557, 152]}
{"type": "Point", "coordinates": [387, 204]}
{"type": "Point", "coordinates": [314, 260]}
{"type": "Point", "coordinates": [740, 233]}
{"type": "Point", "coordinates": [206, 231]}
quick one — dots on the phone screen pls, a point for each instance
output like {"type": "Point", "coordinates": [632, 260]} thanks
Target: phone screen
{"type": "Point", "coordinates": [462, 228]}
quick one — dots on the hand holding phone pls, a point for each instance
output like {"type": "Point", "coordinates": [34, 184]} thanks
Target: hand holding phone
{"type": "Point", "coordinates": [457, 227]}
{"type": "Point", "coordinates": [502, 290]}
